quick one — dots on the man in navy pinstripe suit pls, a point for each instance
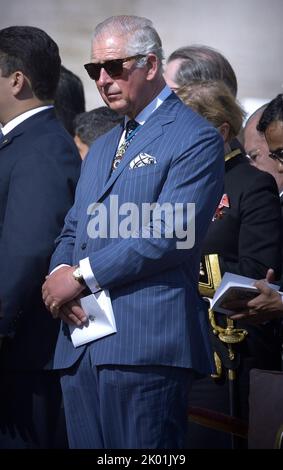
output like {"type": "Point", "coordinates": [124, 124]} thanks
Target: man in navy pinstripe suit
{"type": "Point", "coordinates": [131, 389]}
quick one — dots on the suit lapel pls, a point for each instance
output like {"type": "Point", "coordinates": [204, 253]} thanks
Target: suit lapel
{"type": "Point", "coordinates": [4, 141]}
{"type": "Point", "coordinates": [106, 157]}
{"type": "Point", "coordinates": [136, 146]}
{"type": "Point", "coordinates": [7, 139]}
{"type": "Point", "coordinates": [150, 131]}
{"type": "Point", "coordinates": [25, 125]}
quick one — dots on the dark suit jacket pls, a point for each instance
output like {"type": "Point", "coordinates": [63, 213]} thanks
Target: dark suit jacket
{"type": "Point", "coordinates": [153, 285]}
{"type": "Point", "coordinates": [39, 168]}
{"type": "Point", "coordinates": [247, 235]}
{"type": "Point", "coordinates": [247, 238]}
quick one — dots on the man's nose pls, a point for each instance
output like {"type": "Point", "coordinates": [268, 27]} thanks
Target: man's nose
{"type": "Point", "coordinates": [104, 78]}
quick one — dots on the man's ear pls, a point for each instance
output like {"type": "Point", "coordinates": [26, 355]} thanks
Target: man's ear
{"type": "Point", "coordinates": [152, 66]}
{"type": "Point", "coordinates": [224, 130]}
{"type": "Point", "coordinates": [17, 82]}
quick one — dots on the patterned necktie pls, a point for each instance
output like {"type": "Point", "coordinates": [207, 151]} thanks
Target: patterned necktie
{"type": "Point", "coordinates": [131, 130]}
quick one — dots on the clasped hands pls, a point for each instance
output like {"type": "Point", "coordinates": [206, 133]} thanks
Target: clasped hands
{"type": "Point", "coordinates": [60, 293]}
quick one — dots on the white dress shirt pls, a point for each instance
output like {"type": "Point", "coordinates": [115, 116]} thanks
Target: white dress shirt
{"type": "Point", "coordinates": [21, 118]}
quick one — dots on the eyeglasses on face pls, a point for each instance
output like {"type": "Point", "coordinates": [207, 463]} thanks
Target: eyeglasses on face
{"type": "Point", "coordinates": [253, 154]}
{"type": "Point", "coordinates": [114, 67]}
{"type": "Point", "coordinates": [277, 155]}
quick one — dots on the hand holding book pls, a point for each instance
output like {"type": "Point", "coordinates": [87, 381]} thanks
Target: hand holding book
{"type": "Point", "coordinates": [266, 306]}
{"type": "Point", "coordinates": [243, 297]}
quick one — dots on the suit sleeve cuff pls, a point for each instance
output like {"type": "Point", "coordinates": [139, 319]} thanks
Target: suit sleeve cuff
{"type": "Point", "coordinates": [88, 275]}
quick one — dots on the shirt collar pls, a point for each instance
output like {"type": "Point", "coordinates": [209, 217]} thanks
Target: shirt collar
{"type": "Point", "coordinates": [22, 117]}
{"type": "Point", "coordinates": [143, 116]}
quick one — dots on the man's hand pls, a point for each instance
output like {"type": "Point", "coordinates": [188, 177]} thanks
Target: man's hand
{"type": "Point", "coordinates": [72, 313]}
{"type": "Point", "coordinates": [266, 306]}
{"type": "Point", "coordinates": [59, 288]}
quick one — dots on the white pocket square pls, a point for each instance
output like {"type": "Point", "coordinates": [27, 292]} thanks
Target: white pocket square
{"type": "Point", "coordinates": [141, 160]}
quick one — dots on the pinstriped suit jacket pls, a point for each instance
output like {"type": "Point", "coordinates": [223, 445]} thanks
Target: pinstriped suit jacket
{"type": "Point", "coordinates": [159, 315]}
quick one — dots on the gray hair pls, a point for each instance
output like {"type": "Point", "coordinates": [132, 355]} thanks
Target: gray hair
{"type": "Point", "coordinates": [142, 36]}
{"type": "Point", "coordinates": [200, 62]}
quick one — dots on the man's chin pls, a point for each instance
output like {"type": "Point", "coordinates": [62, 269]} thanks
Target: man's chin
{"type": "Point", "coordinates": [117, 104]}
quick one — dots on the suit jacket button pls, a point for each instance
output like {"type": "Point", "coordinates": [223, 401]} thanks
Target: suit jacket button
{"type": "Point", "coordinates": [83, 246]}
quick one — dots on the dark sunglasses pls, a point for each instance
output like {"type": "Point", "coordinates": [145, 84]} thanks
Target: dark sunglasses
{"type": "Point", "coordinates": [277, 155]}
{"type": "Point", "coordinates": [114, 67]}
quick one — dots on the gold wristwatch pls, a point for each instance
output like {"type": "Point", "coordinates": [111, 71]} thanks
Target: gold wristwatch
{"type": "Point", "coordinates": [77, 275]}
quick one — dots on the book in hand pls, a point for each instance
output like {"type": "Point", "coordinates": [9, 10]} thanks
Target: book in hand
{"type": "Point", "coordinates": [234, 288]}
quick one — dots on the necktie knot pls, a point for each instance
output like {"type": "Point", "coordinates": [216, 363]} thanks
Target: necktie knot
{"type": "Point", "coordinates": [131, 127]}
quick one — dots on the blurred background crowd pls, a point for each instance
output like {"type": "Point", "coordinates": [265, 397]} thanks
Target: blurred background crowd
{"type": "Point", "coordinates": [248, 34]}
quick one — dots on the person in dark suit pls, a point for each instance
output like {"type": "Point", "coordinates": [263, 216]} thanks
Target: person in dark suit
{"type": "Point", "coordinates": [246, 235]}
{"type": "Point", "coordinates": [130, 389]}
{"type": "Point", "coordinates": [269, 303]}
{"type": "Point", "coordinates": [39, 168]}
{"type": "Point", "coordinates": [257, 151]}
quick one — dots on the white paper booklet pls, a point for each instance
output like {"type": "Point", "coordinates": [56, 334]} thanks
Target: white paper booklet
{"type": "Point", "coordinates": [234, 287]}
{"type": "Point", "coordinates": [101, 320]}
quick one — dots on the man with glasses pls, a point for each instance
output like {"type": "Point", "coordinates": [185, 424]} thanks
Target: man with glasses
{"type": "Point", "coordinates": [257, 150]}
{"type": "Point", "coordinates": [114, 68]}
{"type": "Point", "coordinates": [130, 389]}
{"type": "Point", "coordinates": [271, 124]}
{"type": "Point", "coordinates": [268, 304]}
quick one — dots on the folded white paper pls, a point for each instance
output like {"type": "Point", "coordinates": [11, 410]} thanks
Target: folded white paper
{"type": "Point", "coordinates": [101, 320]}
